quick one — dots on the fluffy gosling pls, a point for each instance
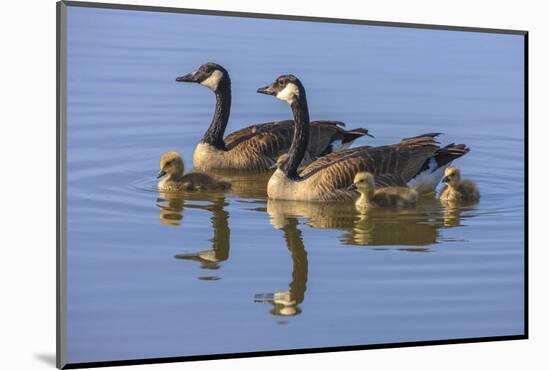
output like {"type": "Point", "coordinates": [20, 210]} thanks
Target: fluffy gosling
{"type": "Point", "coordinates": [280, 161]}
{"type": "Point", "coordinates": [457, 190]}
{"type": "Point", "coordinates": [391, 196]}
{"type": "Point", "coordinates": [173, 178]}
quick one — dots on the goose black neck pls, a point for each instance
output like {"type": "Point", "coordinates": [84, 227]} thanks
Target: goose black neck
{"type": "Point", "coordinates": [301, 136]}
{"type": "Point", "coordinates": [214, 134]}
{"type": "Point", "coordinates": [295, 245]}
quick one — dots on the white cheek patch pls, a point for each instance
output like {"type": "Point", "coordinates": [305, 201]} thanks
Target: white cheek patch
{"type": "Point", "coordinates": [213, 80]}
{"type": "Point", "coordinates": [289, 93]}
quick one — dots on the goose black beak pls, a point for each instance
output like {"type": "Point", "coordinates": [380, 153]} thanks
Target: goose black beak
{"type": "Point", "coordinates": [161, 173]}
{"type": "Point", "coordinates": [190, 77]}
{"type": "Point", "coordinates": [352, 187]}
{"type": "Point", "coordinates": [267, 90]}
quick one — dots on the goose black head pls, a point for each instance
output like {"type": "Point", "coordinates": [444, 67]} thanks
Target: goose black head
{"type": "Point", "coordinates": [285, 87]}
{"type": "Point", "coordinates": [211, 75]}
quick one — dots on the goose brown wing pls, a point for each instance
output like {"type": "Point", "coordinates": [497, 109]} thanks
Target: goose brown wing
{"type": "Point", "coordinates": [392, 165]}
{"type": "Point", "coordinates": [274, 138]}
{"type": "Point", "coordinates": [279, 131]}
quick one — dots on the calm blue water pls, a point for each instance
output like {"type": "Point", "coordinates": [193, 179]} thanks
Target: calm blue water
{"type": "Point", "coordinates": [253, 274]}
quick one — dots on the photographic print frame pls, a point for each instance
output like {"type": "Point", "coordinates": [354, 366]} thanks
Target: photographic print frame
{"type": "Point", "coordinates": [62, 96]}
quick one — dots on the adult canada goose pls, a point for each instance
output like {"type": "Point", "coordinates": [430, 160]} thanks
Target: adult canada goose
{"type": "Point", "coordinates": [456, 189]}
{"type": "Point", "coordinates": [417, 162]}
{"type": "Point", "coordinates": [173, 178]}
{"type": "Point", "coordinates": [255, 148]}
{"type": "Point", "coordinates": [389, 196]}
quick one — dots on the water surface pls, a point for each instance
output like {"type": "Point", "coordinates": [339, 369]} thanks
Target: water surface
{"type": "Point", "coordinates": [154, 275]}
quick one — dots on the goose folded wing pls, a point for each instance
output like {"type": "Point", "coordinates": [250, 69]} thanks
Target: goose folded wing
{"type": "Point", "coordinates": [392, 165]}
{"type": "Point", "coordinates": [274, 138]}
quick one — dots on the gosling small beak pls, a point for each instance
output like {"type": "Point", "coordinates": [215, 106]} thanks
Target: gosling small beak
{"type": "Point", "coordinates": [352, 187]}
{"type": "Point", "coordinates": [190, 77]}
{"type": "Point", "coordinates": [161, 173]}
{"type": "Point", "coordinates": [267, 90]}
{"type": "Point", "coordinates": [445, 179]}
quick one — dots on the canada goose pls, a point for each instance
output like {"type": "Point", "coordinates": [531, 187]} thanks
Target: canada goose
{"type": "Point", "coordinates": [457, 190]}
{"type": "Point", "coordinates": [256, 147]}
{"type": "Point", "coordinates": [173, 178]}
{"type": "Point", "coordinates": [417, 162]}
{"type": "Point", "coordinates": [390, 196]}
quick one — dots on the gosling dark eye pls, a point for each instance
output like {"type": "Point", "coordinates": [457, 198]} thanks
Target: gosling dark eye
{"type": "Point", "coordinates": [168, 163]}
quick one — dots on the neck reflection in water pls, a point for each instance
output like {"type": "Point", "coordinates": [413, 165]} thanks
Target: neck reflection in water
{"type": "Point", "coordinates": [286, 303]}
{"type": "Point", "coordinates": [171, 213]}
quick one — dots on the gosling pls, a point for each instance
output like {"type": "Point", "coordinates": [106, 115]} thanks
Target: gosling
{"type": "Point", "coordinates": [280, 161]}
{"type": "Point", "coordinates": [391, 196]}
{"type": "Point", "coordinates": [457, 190]}
{"type": "Point", "coordinates": [173, 179]}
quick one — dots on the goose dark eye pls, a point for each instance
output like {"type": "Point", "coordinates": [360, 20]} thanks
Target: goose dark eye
{"type": "Point", "coordinates": [281, 82]}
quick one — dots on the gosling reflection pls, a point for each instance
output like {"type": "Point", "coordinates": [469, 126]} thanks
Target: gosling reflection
{"type": "Point", "coordinates": [378, 227]}
{"type": "Point", "coordinates": [171, 208]}
{"type": "Point", "coordinates": [453, 213]}
{"type": "Point", "coordinates": [171, 213]}
{"type": "Point", "coordinates": [286, 303]}
{"type": "Point", "coordinates": [390, 227]}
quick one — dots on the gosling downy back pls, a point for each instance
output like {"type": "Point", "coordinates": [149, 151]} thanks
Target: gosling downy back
{"type": "Point", "coordinates": [256, 147]}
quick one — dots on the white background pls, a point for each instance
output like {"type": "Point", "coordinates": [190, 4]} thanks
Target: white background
{"type": "Point", "coordinates": [27, 209]}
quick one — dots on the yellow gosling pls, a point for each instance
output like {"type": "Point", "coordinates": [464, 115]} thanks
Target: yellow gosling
{"type": "Point", "coordinates": [172, 177]}
{"type": "Point", "coordinates": [457, 190]}
{"type": "Point", "coordinates": [280, 161]}
{"type": "Point", "coordinates": [391, 196]}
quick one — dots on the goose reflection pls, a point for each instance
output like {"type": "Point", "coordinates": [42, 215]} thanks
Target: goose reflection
{"type": "Point", "coordinates": [286, 303]}
{"type": "Point", "coordinates": [415, 227]}
{"type": "Point", "coordinates": [171, 213]}
{"type": "Point", "coordinates": [246, 185]}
